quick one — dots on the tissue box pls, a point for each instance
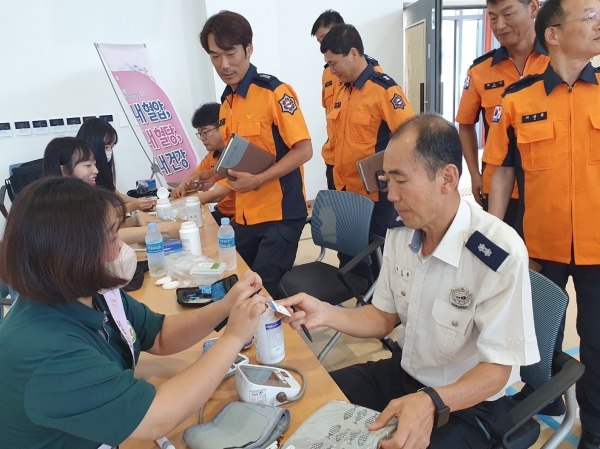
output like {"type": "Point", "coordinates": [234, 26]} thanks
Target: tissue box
{"type": "Point", "coordinates": [172, 246]}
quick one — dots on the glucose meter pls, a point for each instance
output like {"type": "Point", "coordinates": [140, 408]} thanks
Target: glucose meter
{"type": "Point", "coordinates": [268, 385]}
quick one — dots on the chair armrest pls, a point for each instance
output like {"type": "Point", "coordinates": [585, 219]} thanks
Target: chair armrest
{"type": "Point", "coordinates": [308, 220]}
{"type": "Point", "coordinates": [376, 242]}
{"type": "Point", "coordinates": [2, 206]}
{"type": "Point", "coordinates": [568, 371]}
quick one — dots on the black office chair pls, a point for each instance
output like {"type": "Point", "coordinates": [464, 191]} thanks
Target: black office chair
{"type": "Point", "coordinates": [340, 221]}
{"type": "Point", "coordinates": [19, 176]}
{"type": "Point", "coordinates": [552, 376]}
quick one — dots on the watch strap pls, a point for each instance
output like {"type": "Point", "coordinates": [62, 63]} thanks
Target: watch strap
{"type": "Point", "coordinates": [443, 411]}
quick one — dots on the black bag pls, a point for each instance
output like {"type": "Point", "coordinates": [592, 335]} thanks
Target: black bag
{"type": "Point", "coordinates": [138, 278]}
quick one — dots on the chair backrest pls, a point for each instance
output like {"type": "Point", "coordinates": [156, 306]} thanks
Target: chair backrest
{"type": "Point", "coordinates": [341, 221]}
{"type": "Point", "coordinates": [549, 306]}
{"type": "Point", "coordinates": [22, 175]}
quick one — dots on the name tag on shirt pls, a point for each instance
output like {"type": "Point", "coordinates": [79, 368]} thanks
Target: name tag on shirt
{"type": "Point", "coordinates": [404, 273]}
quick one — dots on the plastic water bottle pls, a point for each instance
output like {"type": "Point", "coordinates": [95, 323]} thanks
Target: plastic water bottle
{"type": "Point", "coordinates": [156, 251]}
{"type": "Point", "coordinates": [227, 253]}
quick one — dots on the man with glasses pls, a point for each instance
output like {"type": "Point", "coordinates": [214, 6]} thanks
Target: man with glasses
{"type": "Point", "coordinates": [546, 132]}
{"type": "Point", "coordinates": [520, 55]}
{"type": "Point", "coordinates": [206, 122]}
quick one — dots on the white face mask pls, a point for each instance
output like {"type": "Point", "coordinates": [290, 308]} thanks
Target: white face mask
{"type": "Point", "coordinates": [123, 266]}
{"type": "Point", "coordinates": [108, 155]}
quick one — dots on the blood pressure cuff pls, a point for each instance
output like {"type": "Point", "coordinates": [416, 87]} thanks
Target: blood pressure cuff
{"type": "Point", "coordinates": [239, 425]}
{"type": "Point", "coordinates": [339, 424]}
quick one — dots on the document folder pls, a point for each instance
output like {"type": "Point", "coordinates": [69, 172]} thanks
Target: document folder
{"type": "Point", "coordinates": [243, 156]}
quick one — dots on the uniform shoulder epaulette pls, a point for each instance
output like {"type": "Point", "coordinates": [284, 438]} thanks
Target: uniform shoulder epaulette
{"type": "Point", "coordinates": [483, 58]}
{"type": "Point", "coordinates": [396, 222]}
{"type": "Point", "coordinates": [268, 81]}
{"type": "Point", "coordinates": [486, 250]}
{"type": "Point", "coordinates": [383, 80]}
{"type": "Point", "coordinates": [522, 84]}
{"type": "Point", "coordinates": [374, 62]}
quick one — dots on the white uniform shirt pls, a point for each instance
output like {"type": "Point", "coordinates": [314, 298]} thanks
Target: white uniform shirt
{"type": "Point", "coordinates": [441, 342]}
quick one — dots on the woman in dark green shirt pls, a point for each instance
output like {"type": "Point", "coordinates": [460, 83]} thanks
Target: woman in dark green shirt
{"type": "Point", "coordinates": [67, 358]}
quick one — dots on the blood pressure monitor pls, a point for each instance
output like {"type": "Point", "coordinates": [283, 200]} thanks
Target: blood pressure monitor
{"type": "Point", "coordinates": [268, 385]}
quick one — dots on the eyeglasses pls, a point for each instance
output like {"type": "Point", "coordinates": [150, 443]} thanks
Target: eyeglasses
{"type": "Point", "coordinates": [202, 135]}
{"type": "Point", "coordinates": [591, 19]}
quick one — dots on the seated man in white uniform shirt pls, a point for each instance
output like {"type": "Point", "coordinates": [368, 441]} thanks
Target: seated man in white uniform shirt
{"type": "Point", "coordinates": [458, 280]}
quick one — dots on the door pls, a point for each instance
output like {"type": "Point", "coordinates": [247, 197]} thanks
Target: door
{"type": "Point", "coordinates": [423, 55]}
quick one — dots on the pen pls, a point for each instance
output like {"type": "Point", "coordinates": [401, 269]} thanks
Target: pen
{"type": "Point", "coordinates": [303, 326]}
{"type": "Point", "coordinates": [163, 443]}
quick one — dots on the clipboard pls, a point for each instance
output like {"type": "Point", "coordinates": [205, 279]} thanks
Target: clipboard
{"type": "Point", "coordinates": [369, 169]}
{"type": "Point", "coordinates": [243, 156]}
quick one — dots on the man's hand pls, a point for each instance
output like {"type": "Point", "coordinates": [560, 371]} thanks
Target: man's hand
{"type": "Point", "coordinates": [180, 191]}
{"type": "Point", "coordinates": [310, 311]}
{"type": "Point", "coordinates": [244, 182]}
{"type": "Point", "coordinates": [143, 219]}
{"type": "Point", "coordinates": [415, 414]}
{"type": "Point", "coordinates": [477, 188]}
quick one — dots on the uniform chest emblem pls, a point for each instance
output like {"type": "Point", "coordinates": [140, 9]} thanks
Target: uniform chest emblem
{"type": "Point", "coordinates": [486, 251]}
{"type": "Point", "coordinates": [249, 116]}
{"type": "Point", "coordinates": [288, 104]}
{"type": "Point", "coordinates": [467, 82]}
{"type": "Point", "coordinates": [398, 102]}
{"type": "Point", "coordinates": [461, 297]}
{"type": "Point", "coordinates": [497, 114]}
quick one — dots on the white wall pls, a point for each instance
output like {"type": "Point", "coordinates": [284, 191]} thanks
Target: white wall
{"type": "Point", "coordinates": [284, 47]}
{"type": "Point", "coordinates": [50, 68]}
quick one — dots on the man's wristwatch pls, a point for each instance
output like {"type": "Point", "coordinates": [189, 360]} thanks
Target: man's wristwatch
{"type": "Point", "coordinates": [443, 411]}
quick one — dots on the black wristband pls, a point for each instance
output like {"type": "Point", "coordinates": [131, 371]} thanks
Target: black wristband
{"type": "Point", "coordinates": [443, 411]}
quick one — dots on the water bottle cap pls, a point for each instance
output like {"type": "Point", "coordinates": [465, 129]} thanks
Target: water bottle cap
{"type": "Point", "coordinates": [225, 221]}
{"type": "Point", "coordinates": [162, 193]}
{"type": "Point", "coordinates": [189, 225]}
{"type": "Point", "coordinates": [152, 226]}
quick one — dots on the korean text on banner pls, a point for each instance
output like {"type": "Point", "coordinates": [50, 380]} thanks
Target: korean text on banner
{"type": "Point", "coordinates": [140, 89]}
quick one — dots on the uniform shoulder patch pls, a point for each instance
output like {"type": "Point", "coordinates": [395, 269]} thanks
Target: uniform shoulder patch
{"type": "Point", "coordinates": [486, 250]}
{"type": "Point", "coordinates": [288, 104]}
{"type": "Point", "coordinates": [267, 81]}
{"type": "Point", "coordinates": [383, 80]}
{"type": "Point", "coordinates": [398, 102]}
{"type": "Point", "coordinates": [328, 83]}
{"type": "Point", "coordinates": [529, 80]}
{"type": "Point", "coordinates": [483, 58]}
{"type": "Point", "coordinates": [396, 222]}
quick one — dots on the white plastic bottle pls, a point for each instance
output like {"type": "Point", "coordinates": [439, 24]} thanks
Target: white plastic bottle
{"type": "Point", "coordinates": [270, 347]}
{"type": "Point", "coordinates": [190, 238]}
{"type": "Point", "coordinates": [163, 205]}
{"type": "Point", "coordinates": [227, 253]}
{"type": "Point", "coordinates": [194, 210]}
{"type": "Point", "coordinates": [156, 251]}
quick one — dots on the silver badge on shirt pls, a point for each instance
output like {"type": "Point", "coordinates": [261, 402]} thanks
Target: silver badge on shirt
{"type": "Point", "coordinates": [461, 297]}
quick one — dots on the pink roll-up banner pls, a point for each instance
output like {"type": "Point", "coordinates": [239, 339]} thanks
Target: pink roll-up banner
{"type": "Point", "coordinates": [143, 97]}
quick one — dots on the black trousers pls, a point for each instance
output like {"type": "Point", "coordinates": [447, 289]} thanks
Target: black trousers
{"type": "Point", "coordinates": [510, 217]}
{"type": "Point", "coordinates": [269, 248]}
{"type": "Point", "coordinates": [375, 384]}
{"type": "Point", "coordinates": [329, 177]}
{"type": "Point", "coordinates": [217, 215]}
{"type": "Point", "coordinates": [383, 213]}
{"type": "Point", "coordinates": [586, 279]}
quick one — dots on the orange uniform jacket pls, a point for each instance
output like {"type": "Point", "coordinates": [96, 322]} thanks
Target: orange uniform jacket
{"type": "Point", "coordinates": [266, 112]}
{"type": "Point", "coordinates": [550, 134]}
{"type": "Point", "coordinates": [486, 80]}
{"type": "Point", "coordinates": [362, 119]}
{"type": "Point", "coordinates": [331, 85]}
{"type": "Point", "coordinates": [226, 205]}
